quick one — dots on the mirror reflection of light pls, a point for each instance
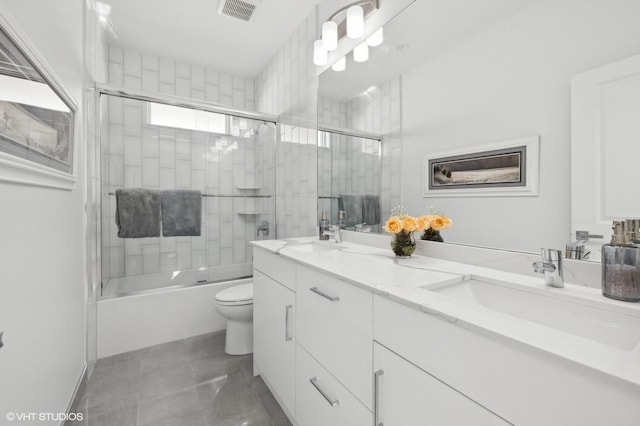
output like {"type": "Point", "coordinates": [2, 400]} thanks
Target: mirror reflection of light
{"type": "Point", "coordinates": [29, 92]}
{"type": "Point", "coordinates": [174, 275]}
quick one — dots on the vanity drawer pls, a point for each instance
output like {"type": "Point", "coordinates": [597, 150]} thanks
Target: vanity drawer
{"type": "Point", "coordinates": [335, 325]}
{"type": "Point", "coordinates": [275, 266]}
{"type": "Point", "coordinates": [322, 400]}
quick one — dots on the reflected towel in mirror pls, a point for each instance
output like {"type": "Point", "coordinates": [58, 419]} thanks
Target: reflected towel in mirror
{"type": "Point", "coordinates": [371, 209]}
{"type": "Point", "coordinates": [352, 206]}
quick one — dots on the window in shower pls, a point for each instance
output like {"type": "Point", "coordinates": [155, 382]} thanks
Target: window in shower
{"type": "Point", "coordinates": [349, 164]}
{"type": "Point", "coordinates": [230, 159]}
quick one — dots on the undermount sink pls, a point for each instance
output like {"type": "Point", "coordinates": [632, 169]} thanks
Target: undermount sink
{"type": "Point", "coordinates": [584, 318]}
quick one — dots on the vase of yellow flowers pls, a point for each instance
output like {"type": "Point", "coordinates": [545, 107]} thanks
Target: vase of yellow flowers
{"type": "Point", "coordinates": [436, 224]}
{"type": "Point", "coordinates": [401, 226]}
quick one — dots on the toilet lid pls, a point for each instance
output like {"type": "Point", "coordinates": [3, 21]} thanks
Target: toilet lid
{"type": "Point", "coordinates": [237, 293]}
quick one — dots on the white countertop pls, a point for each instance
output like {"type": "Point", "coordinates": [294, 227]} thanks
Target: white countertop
{"type": "Point", "coordinates": [379, 271]}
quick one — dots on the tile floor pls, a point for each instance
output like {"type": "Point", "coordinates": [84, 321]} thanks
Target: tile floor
{"type": "Point", "coordinates": [188, 382]}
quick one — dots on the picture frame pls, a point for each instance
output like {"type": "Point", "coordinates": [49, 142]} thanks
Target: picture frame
{"type": "Point", "coordinates": [39, 114]}
{"type": "Point", "coordinates": [504, 169]}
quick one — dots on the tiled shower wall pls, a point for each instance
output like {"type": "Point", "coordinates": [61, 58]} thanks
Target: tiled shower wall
{"type": "Point", "coordinates": [140, 155]}
{"type": "Point", "coordinates": [378, 111]}
{"type": "Point", "coordinates": [142, 71]}
{"type": "Point", "coordinates": [145, 156]}
{"type": "Point", "coordinates": [287, 87]}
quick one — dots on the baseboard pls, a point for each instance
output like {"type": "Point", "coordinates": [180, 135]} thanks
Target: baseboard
{"type": "Point", "coordinates": [81, 385]}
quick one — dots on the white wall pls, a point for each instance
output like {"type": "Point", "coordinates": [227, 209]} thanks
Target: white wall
{"type": "Point", "coordinates": [42, 292]}
{"type": "Point", "coordinates": [512, 81]}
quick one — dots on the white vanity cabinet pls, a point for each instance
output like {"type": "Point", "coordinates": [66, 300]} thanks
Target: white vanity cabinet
{"type": "Point", "coordinates": [335, 325]}
{"type": "Point", "coordinates": [274, 332]}
{"type": "Point", "coordinates": [409, 396]}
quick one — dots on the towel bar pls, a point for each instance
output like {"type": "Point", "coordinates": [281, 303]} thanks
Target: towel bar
{"type": "Point", "coordinates": [225, 195]}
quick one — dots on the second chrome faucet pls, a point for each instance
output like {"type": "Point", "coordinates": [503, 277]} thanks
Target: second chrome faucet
{"type": "Point", "coordinates": [551, 267]}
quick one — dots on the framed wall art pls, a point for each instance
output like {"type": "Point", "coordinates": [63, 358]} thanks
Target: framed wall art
{"type": "Point", "coordinates": [508, 168]}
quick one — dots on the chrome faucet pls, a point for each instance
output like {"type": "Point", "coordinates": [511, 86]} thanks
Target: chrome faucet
{"type": "Point", "coordinates": [551, 267]}
{"type": "Point", "coordinates": [263, 227]}
{"type": "Point", "coordinates": [335, 232]}
{"type": "Point", "coordinates": [360, 227]}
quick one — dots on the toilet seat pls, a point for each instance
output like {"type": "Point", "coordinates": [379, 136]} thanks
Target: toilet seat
{"type": "Point", "coordinates": [238, 295]}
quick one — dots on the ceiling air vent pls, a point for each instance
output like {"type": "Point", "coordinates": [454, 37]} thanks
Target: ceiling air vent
{"type": "Point", "coordinates": [239, 9]}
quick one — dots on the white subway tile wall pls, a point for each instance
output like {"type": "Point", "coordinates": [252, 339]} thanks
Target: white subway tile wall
{"type": "Point", "coordinates": [137, 154]}
{"type": "Point", "coordinates": [287, 87]}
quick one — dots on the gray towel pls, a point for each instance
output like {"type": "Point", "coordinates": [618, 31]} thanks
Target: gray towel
{"type": "Point", "coordinates": [352, 206]}
{"type": "Point", "coordinates": [371, 209]}
{"type": "Point", "coordinates": [181, 213]}
{"type": "Point", "coordinates": [138, 213]}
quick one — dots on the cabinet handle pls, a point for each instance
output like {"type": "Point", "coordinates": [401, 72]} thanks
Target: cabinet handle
{"type": "Point", "coordinates": [325, 295]}
{"type": "Point", "coordinates": [287, 316]}
{"type": "Point", "coordinates": [376, 398]}
{"type": "Point", "coordinates": [316, 384]}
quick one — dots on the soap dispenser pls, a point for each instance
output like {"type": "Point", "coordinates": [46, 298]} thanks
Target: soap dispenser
{"type": "Point", "coordinates": [323, 226]}
{"type": "Point", "coordinates": [621, 263]}
{"type": "Point", "coordinates": [341, 223]}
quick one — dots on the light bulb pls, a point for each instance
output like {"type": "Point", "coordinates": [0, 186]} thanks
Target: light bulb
{"type": "Point", "coordinates": [355, 22]}
{"type": "Point", "coordinates": [376, 38]}
{"type": "Point", "coordinates": [361, 52]}
{"type": "Point", "coordinates": [319, 54]}
{"type": "Point", "coordinates": [329, 36]}
{"type": "Point", "coordinates": [340, 65]}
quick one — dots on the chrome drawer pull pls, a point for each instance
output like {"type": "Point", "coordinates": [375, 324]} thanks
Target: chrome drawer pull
{"type": "Point", "coordinates": [287, 332]}
{"type": "Point", "coordinates": [325, 295]}
{"type": "Point", "coordinates": [316, 384]}
{"type": "Point", "coordinates": [376, 397]}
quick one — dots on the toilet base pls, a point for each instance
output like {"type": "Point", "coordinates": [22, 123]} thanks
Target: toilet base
{"type": "Point", "coordinates": [239, 340]}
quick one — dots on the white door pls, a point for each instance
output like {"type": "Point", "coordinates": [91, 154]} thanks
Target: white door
{"type": "Point", "coordinates": [605, 149]}
{"type": "Point", "coordinates": [408, 396]}
{"type": "Point", "coordinates": [273, 338]}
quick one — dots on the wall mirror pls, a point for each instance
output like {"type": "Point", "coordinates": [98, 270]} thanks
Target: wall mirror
{"type": "Point", "coordinates": [36, 118]}
{"type": "Point", "coordinates": [453, 76]}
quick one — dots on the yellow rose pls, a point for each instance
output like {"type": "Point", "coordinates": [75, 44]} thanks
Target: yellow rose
{"type": "Point", "coordinates": [409, 224]}
{"type": "Point", "coordinates": [422, 223]}
{"type": "Point", "coordinates": [438, 223]}
{"type": "Point", "coordinates": [393, 225]}
{"type": "Point", "coordinates": [448, 222]}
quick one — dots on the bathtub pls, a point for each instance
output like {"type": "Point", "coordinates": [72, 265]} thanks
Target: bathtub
{"type": "Point", "coordinates": [127, 286]}
{"type": "Point", "coordinates": [149, 315]}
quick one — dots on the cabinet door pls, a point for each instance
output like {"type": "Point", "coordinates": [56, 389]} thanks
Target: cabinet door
{"type": "Point", "coordinates": [409, 396]}
{"type": "Point", "coordinates": [273, 338]}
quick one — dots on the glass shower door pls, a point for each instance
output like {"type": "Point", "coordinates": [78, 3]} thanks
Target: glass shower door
{"type": "Point", "coordinates": [229, 159]}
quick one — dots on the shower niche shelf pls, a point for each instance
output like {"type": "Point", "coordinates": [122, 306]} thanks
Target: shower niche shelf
{"type": "Point", "coordinates": [248, 188]}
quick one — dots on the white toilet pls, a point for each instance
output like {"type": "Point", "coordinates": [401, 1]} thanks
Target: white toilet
{"type": "Point", "coordinates": [236, 305]}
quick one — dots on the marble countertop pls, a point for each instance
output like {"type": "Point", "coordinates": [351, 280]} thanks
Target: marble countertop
{"type": "Point", "coordinates": [402, 280]}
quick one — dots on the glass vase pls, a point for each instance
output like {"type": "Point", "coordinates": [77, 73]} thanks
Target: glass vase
{"type": "Point", "coordinates": [431, 235]}
{"type": "Point", "coordinates": [403, 244]}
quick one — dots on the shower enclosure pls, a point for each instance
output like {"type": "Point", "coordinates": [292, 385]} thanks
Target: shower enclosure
{"type": "Point", "coordinates": [349, 162]}
{"type": "Point", "coordinates": [163, 143]}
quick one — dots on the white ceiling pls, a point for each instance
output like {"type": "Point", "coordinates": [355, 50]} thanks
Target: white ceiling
{"type": "Point", "coordinates": [193, 31]}
{"type": "Point", "coordinates": [429, 28]}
